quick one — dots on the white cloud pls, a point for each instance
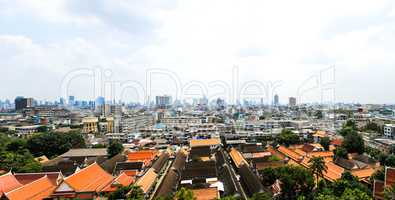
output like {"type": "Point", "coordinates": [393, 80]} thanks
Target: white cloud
{"type": "Point", "coordinates": [203, 40]}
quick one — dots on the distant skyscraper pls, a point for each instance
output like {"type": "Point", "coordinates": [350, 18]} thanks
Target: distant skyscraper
{"type": "Point", "coordinates": [62, 101]}
{"type": "Point", "coordinates": [292, 101]}
{"type": "Point", "coordinates": [21, 103]}
{"type": "Point", "coordinates": [276, 100]}
{"type": "Point", "coordinates": [71, 100]}
{"type": "Point", "coordinates": [100, 101]}
{"type": "Point", "coordinates": [163, 101]}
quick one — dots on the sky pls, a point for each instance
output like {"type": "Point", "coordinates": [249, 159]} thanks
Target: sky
{"type": "Point", "coordinates": [317, 51]}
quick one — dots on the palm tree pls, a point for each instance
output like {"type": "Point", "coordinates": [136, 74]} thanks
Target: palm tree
{"type": "Point", "coordinates": [318, 167]}
{"type": "Point", "coordinates": [184, 194]}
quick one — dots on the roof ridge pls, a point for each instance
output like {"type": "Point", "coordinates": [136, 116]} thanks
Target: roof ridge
{"type": "Point", "coordinates": [79, 171]}
{"type": "Point", "coordinates": [24, 186]}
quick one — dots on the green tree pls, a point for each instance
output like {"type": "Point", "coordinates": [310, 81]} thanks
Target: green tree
{"type": "Point", "coordinates": [357, 194]}
{"type": "Point", "coordinates": [295, 181]}
{"type": "Point", "coordinates": [16, 145]}
{"type": "Point", "coordinates": [318, 167]}
{"type": "Point", "coordinates": [260, 196]}
{"type": "Point", "coordinates": [389, 193]}
{"type": "Point", "coordinates": [354, 143]}
{"type": "Point", "coordinates": [346, 131]}
{"type": "Point", "coordinates": [114, 148]}
{"type": "Point", "coordinates": [325, 142]}
{"type": "Point", "coordinates": [184, 194]}
{"type": "Point", "coordinates": [390, 160]}
{"type": "Point", "coordinates": [287, 137]}
{"type": "Point", "coordinates": [21, 161]}
{"type": "Point", "coordinates": [135, 193]}
{"type": "Point", "coordinates": [268, 176]}
{"type": "Point", "coordinates": [341, 152]}
{"type": "Point", "coordinates": [319, 114]}
{"type": "Point", "coordinates": [52, 144]}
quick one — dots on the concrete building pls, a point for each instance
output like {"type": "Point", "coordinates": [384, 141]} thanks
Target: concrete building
{"type": "Point", "coordinates": [22, 103]}
{"type": "Point", "coordinates": [163, 101]}
{"type": "Point", "coordinates": [276, 100]}
{"type": "Point", "coordinates": [90, 125]}
{"type": "Point", "coordinates": [292, 101]}
{"type": "Point", "coordinates": [132, 123]}
{"type": "Point", "coordinates": [389, 130]}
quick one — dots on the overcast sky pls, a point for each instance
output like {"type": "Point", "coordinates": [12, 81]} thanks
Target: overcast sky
{"type": "Point", "coordinates": [286, 42]}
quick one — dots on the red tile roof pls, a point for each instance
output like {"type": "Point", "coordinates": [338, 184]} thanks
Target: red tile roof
{"type": "Point", "coordinates": [8, 182]}
{"type": "Point", "coordinates": [389, 176]}
{"type": "Point", "coordinates": [378, 189]}
{"type": "Point", "coordinates": [36, 190]}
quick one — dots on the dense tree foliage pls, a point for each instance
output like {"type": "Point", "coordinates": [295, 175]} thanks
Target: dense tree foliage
{"type": "Point", "coordinates": [184, 194]}
{"type": "Point", "coordinates": [52, 144]}
{"type": "Point", "coordinates": [318, 167]}
{"type": "Point", "coordinates": [325, 142]}
{"type": "Point", "coordinates": [15, 156]}
{"type": "Point", "coordinates": [341, 152]}
{"type": "Point", "coordinates": [353, 142]}
{"type": "Point", "coordinates": [131, 192]}
{"type": "Point", "coordinates": [287, 137]}
{"type": "Point", "coordinates": [114, 148]}
{"type": "Point", "coordinates": [295, 181]}
{"type": "Point", "coordinates": [348, 187]}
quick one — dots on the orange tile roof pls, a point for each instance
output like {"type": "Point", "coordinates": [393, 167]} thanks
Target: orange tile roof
{"type": "Point", "coordinates": [37, 190]}
{"type": "Point", "coordinates": [205, 142]}
{"type": "Point", "coordinates": [337, 142]}
{"type": "Point", "coordinates": [206, 194]}
{"type": "Point", "coordinates": [142, 156]}
{"type": "Point", "coordinates": [300, 151]}
{"type": "Point", "coordinates": [363, 173]}
{"type": "Point", "coordinates": [122, 180]}
{"type": "Point", "coordinates": [333, 172]}
{"type": "Point", "coordinates": [90, 179]}
{"type": "Point", "coordinates": [290, 153]}
{"type": "Point", "coordinates": [8, 182]}
{"type": "Point", "coordinates": [237, 157]}
{"type": "Point", "coordinates": [131, 173]}
{"type": "Point", "coordinates": [321, 154]}
{"type": "Point", "coordinates": [146, 181]}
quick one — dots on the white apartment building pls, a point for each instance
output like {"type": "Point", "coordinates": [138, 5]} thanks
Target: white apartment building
{"type": "Point", "coordinates": [389, 130]}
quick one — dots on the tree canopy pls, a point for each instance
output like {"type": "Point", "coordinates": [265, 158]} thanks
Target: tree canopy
{"type": "Point", "coordinates": [52, 144]}
{"type": "Point", "coordinates": [114, 148]}
{"type": "Point", "coordinates": [287, 137]}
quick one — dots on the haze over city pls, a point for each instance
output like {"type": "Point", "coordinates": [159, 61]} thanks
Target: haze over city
{"type": "Point", "coordinates": [288, 41]}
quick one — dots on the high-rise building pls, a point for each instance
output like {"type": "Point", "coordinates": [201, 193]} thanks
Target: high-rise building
{"type": "Point", "coordinates": [163, 101]}
{"type": "Point", "coordinates": [292, 101]}
{"type": "Point", "coordinates": [62, 101]}
{"type": "Point", "coordinates": [21, 103]}
{"type": "Point", "coordinates": [100, 101]}
{"type": "Point", "coordinates": [276, 100]}
{"type": "Point", "coordinates": [71, 100]}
